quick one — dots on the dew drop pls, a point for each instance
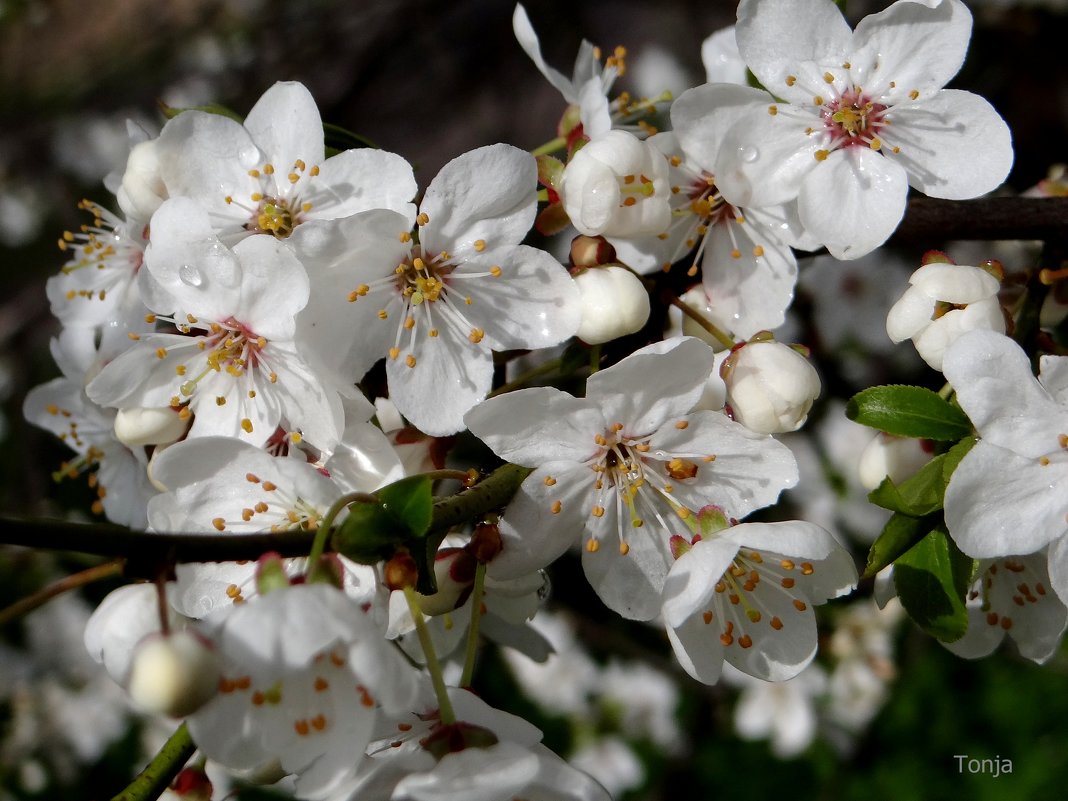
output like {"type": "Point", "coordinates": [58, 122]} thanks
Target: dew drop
{"type": "Point", "coordinates": [220, 263]}
{"type": "Point", "coordinates": [249, 156]}
{"type": "Point", "coordinates": [750, 154]}
{"type": "Point", "coordinates": [189, 275]}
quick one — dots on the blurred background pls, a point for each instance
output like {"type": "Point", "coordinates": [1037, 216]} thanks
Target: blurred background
{"type": "Point", "coordinates": [885, 710]}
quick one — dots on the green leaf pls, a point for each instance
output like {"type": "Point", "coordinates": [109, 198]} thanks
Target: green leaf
{"type": "Point", "coordinates": [369, 534]}
{"type": "Point", "coordinates": [374, 531]}
{"type": "Point", "coordinates": [907, 411]}
{"type": "Point", "coordinates": [338, 139]}
{"type": "Point", "coordinates": [931, 579]}
{"type": "Point", "coordinates": [410, 502]}
{"type": "Point", "coordinates": [899, 534]}
{"type": "Point", "coordinates": [917, 495]}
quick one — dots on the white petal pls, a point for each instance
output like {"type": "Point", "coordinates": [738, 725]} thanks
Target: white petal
{"type": "Point", "coordinates": [489, 193]}
{"type": "Point", "coordinates": [721, 59]}
{"type": "Point", "coordinates": [910, 315]}
{"type": "Point", "coordinates": [532, 533]}
{"type": "Point", "coordinates": [698, 650]}
{"type": "Point", "coordinates": [853, 201]}
{"type": "Point", "coordinates": [360, 180]}
{"type": "Point", "coordinates": [528, 40]}
{"type": "Point", "coordinates": [702, 116]}
{"type": "Point", "coordinates": [953, 145]}
{"type": "Point", "coordinates": [954, 283]}
{"type": "Point", "coordinates": [998, 503]}
{"type": "Point", "coordinates": [652, 385]}
{"type": "Point", "coordinates": [691, 580]}
{"type": "Point", "coordinates": [750, 292]}
{"type": "Point", "coordinates": [533, 304]}
{"type": "Point", "coordinates": [449, 377]}
{"type": "Point", "coordinates": [286, 125]}
{"type": "Point", "coordinates": [774, 39]}
{"type": "Point", "coordinates": [994, 384]}
{"type": "Point", "coordinates": [538, 425]}
{"type": "Point", "coordinates": [1053, 376]}
{"type": "Point", "coordinates": [474, 774]}
{"type": "Point", "coordinates": [885, 47]}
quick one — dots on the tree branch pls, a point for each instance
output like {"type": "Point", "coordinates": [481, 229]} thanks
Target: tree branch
{"type": "Point", "coordinates": [160, 772]}
{"type": "Point", "coordinates": [986, 218]}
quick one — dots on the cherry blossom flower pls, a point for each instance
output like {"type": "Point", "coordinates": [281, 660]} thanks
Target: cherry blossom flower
{"type": "Point", "coordinates": [1007, 495]}
{"type": "Point", "coordinates": [485, 755]}
{"type": "Point", "coordinates": [304, 672]}
{"type": "Point", "coordinates": [437, 306]}
{"type": "Point", "coordinates": [590, 82]}
{"type": "Point", "coordinates": [270, 174]}
{"type": "Point", "coordinates": [745, 594]}
{"type": "Point", "coordinates": [616, 185]}
{"type": "Point", "coordinates": [97, 284]}
{"type": "Point", "coordinates": [232, 362]}
{"type": "Point", "coordinates": [862, 117]}
{"type": "Point", "coordinates": [1011, 597]}
{"type": "Point", "coordinates": [628, 465]}
{"type": "Point", "coordinates": [747, 268]}
{"type": "Point", "coordinates": [942, 302]}
{"type": "Point", "coordinates": [62, 407]}
{"type": "Point", "coordinates": [783, 712]}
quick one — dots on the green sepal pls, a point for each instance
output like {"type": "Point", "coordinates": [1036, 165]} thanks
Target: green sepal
{"type": "Point", "coordinates": [373, 531]}
{"type": "Point", "coordinates": [170, 112]}
{"type": "Point", "coordinates": [931, 579]}
{"type": "Point", "coordinates": [899, 534]}
{"type": "Point", "coordinates": [907, 411]}
{"type": "Point", "coordinates": [270, 574]}
{"type": "Point", "coordinates": [550, 171]}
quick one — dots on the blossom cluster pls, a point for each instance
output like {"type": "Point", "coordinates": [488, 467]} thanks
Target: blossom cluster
{"type": "Point", "coordinates": [223, 320]}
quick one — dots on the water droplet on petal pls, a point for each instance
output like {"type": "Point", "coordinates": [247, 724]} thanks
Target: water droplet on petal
{"type": "Point", "coordinates": [189, 275]}
{"type": "Point", "coordinates": [750, 154]}
{"type": "Point", "coordinates": [249, 156]}
{"type": "Point", "coordinates": [221, 264]}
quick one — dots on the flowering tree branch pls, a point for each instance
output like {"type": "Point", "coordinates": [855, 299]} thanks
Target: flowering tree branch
{"type": "Point", "coordinates": [986, 218]}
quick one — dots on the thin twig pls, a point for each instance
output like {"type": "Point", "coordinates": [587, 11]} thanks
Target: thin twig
{"type": "Point", "coordinates": [26, 605]}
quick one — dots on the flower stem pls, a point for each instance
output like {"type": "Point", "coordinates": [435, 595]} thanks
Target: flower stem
{"type": "Point", "coordinates": [433, 666]}
{"type": "Point", "coordinates": [323, 530]}
{"type": "Point", "coordinates": [477, 594]}
{"type": "Point", "coordinates": [595, 359]}
{"type": "Point", "coordinates": [720, 335]}
{"type": "Point", "coordinates": [559, 143]}
{"type": "Point", "coordinates": [160, 772]}
{"type": "Point", "coordinates": [42, 596]}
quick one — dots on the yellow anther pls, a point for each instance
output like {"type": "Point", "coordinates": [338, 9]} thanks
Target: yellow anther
{"type": "Point", "coordinates": [821, 155]}
{"type": "Point", "coordinates": [219, 523]}
{"type": "Point", "coordinates": [828, 78]}
{"type": "Point", "coordinates": [495, 271]}
{"type": "Point", "coordinates": [773, 110]}
{"type": "Point", "coordinates": [758, 251]}
{"type": "Point", "coordinates": [268, 169]}
{"type": "Point", "coordinates": [423, 218]}
{"type": "Point", "coordinates": [480, 245]}
{"type": "Point", "coordinates": [409, 360]}
{"type": "Point", "coordinates": [246, 425]}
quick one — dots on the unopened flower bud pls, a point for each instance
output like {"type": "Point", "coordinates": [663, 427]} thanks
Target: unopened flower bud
{"type": "Point", "coordinates": [191, 784]}
{"type": "Point", "coordinates": [888, 456]}
{"type": "Point", "coordinates": [614, 303]}
{"type": "Point", "coordinates": [591, 251]}
{"type": "Point", "coordinates": [139, 426]}
{"type": "Point", "coordinates": [617, 185]}
{"type": "Point", "coordinates": [770, 386]}
{"type": "Point", "coordinates": [400, 571]}
{"type": "Point", "coordinates": [142, 190]}
{"type": "Point", "coordinates": [943, 302]}
{"type": "Point", "coordinates": [486, 542]}
{"type": "Point", "coordinates": [454, 571]}
{"type": "Point", "coordinates": [173, 674]}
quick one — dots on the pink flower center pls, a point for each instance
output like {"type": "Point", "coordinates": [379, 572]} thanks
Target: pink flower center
{"type": "Point", "coordinates": [853, 119]}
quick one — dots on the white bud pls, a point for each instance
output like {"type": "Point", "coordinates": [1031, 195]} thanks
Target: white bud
{"type": "Point", "coordinates": [142, 190]}
{"type": "Point", "coordinates": [141, 426]}
{"type": "Point", "coordinates": [887, 455]}
{"type": "Point", "coordinates": [944, 302]}
{"type": "Point", "coordinates": [173, 674]}
{"type": "Point", "coordinates": [697, 299]}
{"type": "Point", "coordinates": [614, 303]}
{"type": "Point", "coordinates": [617, 185]}
{"type": "Point", "coordinates": [770, 387]}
